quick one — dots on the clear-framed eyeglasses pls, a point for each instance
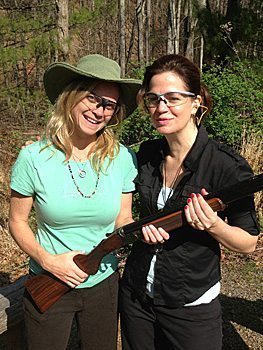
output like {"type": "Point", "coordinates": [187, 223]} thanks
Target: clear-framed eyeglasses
{"type": "Point", "coordinates": [171, 98]}
{"type": "Point", "coordinates": [109, 107]}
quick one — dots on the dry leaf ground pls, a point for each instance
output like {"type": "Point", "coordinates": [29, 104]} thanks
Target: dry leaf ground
{"type": "Point", "coordinates": [241, 294]}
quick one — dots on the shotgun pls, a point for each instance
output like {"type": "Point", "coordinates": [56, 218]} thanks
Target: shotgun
{"type": "Point", "coordinates": [45, 289]}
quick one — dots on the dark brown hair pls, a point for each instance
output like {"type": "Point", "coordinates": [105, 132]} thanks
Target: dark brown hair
{"type": "Point", "coordinates": [182, 67]}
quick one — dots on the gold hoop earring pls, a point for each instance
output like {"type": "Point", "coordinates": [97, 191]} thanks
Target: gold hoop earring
{"type": "Point", "coordinates": [199, 119]}
{"type": "Point", "coordinates": [112, 125]}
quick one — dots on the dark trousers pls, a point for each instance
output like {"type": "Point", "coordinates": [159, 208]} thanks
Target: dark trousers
{"type": "Point", "coordinates": [95, 310]}
{"type": "Point", "coordinates": [149, 327]}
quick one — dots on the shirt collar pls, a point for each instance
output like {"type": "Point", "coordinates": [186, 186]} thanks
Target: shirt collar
{"type": "Point", "coordinates": [192, 159]}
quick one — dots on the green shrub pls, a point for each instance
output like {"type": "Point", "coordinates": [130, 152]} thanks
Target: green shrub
{"type": "Point", "coordinates": [137, 128]}
{"type": "Point", "coordinates": [236, 90]}
{"type": "Point", "coordinates": [237, 95]}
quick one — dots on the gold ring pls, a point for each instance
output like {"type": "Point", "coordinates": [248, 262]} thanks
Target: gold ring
{"type": "Point", "coordinates": [196, 221]}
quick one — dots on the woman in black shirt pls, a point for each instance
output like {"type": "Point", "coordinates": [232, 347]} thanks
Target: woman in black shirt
{"type": "Point", "coordinates": [169, 291]}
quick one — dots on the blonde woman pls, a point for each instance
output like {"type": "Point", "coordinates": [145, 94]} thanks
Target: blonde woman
{"type": "Point", "coordinates": [79, 179]}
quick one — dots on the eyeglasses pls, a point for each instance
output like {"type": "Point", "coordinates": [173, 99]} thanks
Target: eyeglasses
{"type": "Point", "coordinates": [171, 99]}
{"type": "Point", "coordinates": [109, 107]}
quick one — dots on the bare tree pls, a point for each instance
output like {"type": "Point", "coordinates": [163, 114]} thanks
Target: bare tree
{"type": "Point", "coordinates": [178, 23]}
{"type": "Point", "coordinates": [132, 39]}
{"type": "Point", "coordinates": [190, 26]}
{"type": "Point", "coordinates": [122, 49]}
{"type": "Point", "coordinates": [171, 27]}
{"type": "Point", "coordinates": [140, 16]}
{"type": "Point", "coordinates": [201, 6]}
{"type": "Point", "coordinates": [63, 30]}
{"type": "Point", "coordinates": [147, 30]}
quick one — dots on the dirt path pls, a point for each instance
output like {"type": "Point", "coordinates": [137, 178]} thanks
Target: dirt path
{"type": "Point", "coordinates": [242, 304]}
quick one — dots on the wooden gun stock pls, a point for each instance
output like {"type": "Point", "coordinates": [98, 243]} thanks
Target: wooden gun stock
{"type": "Point", "coordinates": [45, 289]}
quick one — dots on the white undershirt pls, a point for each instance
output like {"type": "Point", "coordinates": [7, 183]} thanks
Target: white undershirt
{"type": "Point", "coordinates": [209, 295]}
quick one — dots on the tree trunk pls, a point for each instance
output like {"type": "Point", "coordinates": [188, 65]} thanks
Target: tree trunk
{"type": "Point", "coordinates": [148, 30]}
{"type": "Point", "coordinates": [178, 23]}
{"type": "Point", "coordinates": [170, 28]}
{"type": "Point", "coordinates": [201, 56]}
{"type": "Point", "coordinates": [190, 32]}
{"type": "Point", "coordinates": [122, 48]}
{"type": "Point", "coordinates": [189, 52]}
{"type": "Point", "coordinates": [140, 16]}
{"type": "Point", "coordinates": [63, 30]}
{"type": "Point", "coordinates": [201, 7]}
{"type": "Point", "coordinates": [131, 41]}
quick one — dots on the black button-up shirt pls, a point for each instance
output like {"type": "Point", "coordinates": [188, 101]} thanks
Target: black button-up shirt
{"type": "Point", "coordinates": [188, 263]}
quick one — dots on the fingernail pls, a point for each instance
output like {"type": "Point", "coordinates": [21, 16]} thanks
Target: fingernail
{"type": "Point", "coordinates": [192, 195]}
{"type": "Point", "coordinates": [199, 195]}
{"type": "Point", "coordinates": [189, 200]}
{"type": "Point", "coordinates": [186, 207]}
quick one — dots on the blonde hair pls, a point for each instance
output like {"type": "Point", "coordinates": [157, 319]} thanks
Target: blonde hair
{"type": "Point", "coordinates": [61, 125]}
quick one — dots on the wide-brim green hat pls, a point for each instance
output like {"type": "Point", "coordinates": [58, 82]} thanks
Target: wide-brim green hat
{"type": "Point", "coordinates": [58, 75]}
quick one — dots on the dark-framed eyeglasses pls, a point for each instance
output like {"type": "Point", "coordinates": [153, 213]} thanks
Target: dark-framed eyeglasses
{"type": "Point", "coordinates": [109, 107]}
{"type": "Point", "coordinates": [171, 98]}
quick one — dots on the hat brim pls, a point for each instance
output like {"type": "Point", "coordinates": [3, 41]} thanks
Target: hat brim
{"type": "Point", "coordinates": [59, 75]}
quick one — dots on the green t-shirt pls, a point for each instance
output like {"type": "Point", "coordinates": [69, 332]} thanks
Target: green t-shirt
{"type": "Point", "coordinates": [66, 220]}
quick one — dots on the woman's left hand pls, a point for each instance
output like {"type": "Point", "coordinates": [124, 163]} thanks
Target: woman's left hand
{"type": "Point", "coordinates": [198, 213]}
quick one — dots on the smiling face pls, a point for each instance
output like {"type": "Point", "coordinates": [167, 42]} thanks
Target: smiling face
{"type": "Point", "coordinates": [177, 119]}
{"type": "Point", "coordinates": [89, 118]}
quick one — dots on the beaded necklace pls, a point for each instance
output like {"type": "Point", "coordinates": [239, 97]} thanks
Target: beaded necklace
{"type": "Point", "coordinates": [82, 172]}
{"type": "Point", "coordinates": [77, 187]}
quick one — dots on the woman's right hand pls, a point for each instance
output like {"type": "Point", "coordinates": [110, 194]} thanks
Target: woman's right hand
{"type": "Point", "coordinates": [63, 267]}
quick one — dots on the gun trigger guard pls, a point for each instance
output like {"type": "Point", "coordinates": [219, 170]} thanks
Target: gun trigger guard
{"type": "Point", "coordinates": [137, 234]}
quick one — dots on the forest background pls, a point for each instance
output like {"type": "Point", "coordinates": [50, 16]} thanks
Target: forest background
{"type": "Point", "coordinates": [223, 37]}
